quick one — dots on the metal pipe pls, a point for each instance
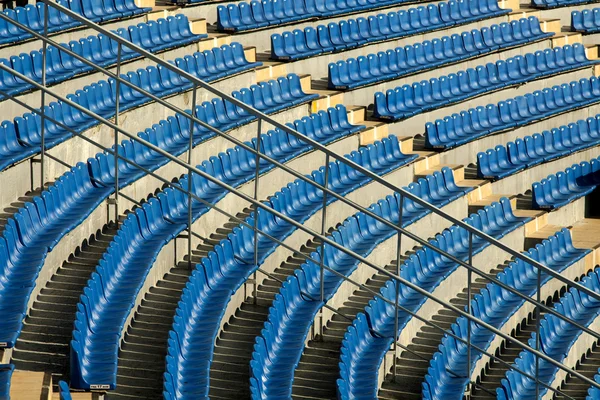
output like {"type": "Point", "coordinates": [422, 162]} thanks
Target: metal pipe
{"type": "Point", "coordinates": [343, 199]}
{"type": "Point", "coordinates": [313, 143]}
{"type": "Point", "coordinates": [351, 253]}
{"type": "Point", "coordinates": [190, 147]}
{"type": "Point", "coordinates": [116, 134]}
{"type": "Point", "coordinates": [256, 183]}
{"type": "Point", "coordinates": [43, 98]}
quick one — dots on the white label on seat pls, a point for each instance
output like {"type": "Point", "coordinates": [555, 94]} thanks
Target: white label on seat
{"type": "Point", "coordinates": [99, 387]}
{"type": "Point", "coordinates": [3, 344]}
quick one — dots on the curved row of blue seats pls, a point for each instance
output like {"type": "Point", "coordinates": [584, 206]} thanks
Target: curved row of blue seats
{"type": "Point", "coordinates": [474, 123]}
{"type": "Point", "coordinates": [112, 289]}
{"type": "Point", "coordinates": [503, 161]}
{"type": "Point", "coordinates": [33, 16]}
{"type": "Point", "coordinates": [100, 49]}
{"type": "Point", "coordinates": [408, 100]}
{"type": "Point", "coordinates": [254, 15]}
{"type": "Point", "coordinates": [22, 137]}
{"type": "Point", "coordinates": [208, 291]}
{"type": "Point", "coordinates": [369, 337]}
{"type": "Point", "coordinates": [586, 21]}
{"type": "Point", "coordinates": [280, 346]}
{"type": "Point", "coordinates": [64, 391]}
{"type": "Point", "coordinates": [39, 225]}
{"type": "Point", "coordinates": [401, 61]}
{"type": "Point", "coordinates": [6, 371]}
{"type": "Point", "coordinates": [559, 3]}
{"type": "Point", "coordinates": [344, 35]}
{"type": "Point", "coordinates": [257, 14]}
{"type": "Point", "coordinates": [494, 305]}
{"type": "Point", "coordinates": [562, 188]}
{"type": "Point", "coordinates": [556, 339]}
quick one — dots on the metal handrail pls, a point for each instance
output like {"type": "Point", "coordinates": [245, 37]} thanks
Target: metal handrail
{"type": "Point", "coordinates": [313, 143]}
{"type": "Point", "coordinates": [299, 226]}
{"type": "Point", "coordinates": [324, 239]}
{"type": "Point", "coordinates": [301, 137]}
{"type": "Point", "coordinates": [368, 212]}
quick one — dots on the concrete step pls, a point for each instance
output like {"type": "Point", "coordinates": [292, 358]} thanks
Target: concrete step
{"type": "Point", "coordinates": [44, 340]}
{"type": "Point", "coordinates": [144, 348]}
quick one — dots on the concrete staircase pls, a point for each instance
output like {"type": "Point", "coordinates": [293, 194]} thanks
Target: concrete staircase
{"type": "Point", "coordinates": [413, 362]}
{"type": "Point", "coordinates": [588, 367]}
{"type": "Point", "coordinates": [318, 369]}
{"type": "Point", "coordinates": [44, 341]}
{"type": "Point", "coordinates": [144, 347]}
{"type": "Point", "coordinates": [230, 371]}
{"type": "Point", "coordinates": [496, 370]}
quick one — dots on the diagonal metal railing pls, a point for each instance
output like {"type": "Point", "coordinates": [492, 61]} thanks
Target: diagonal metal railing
{"type": "Point", "coordinates": [198, 83]}
{"type": "Point", "coordinates": [356, 284]}
{"type": "Point", "coordinates": [307, 258]}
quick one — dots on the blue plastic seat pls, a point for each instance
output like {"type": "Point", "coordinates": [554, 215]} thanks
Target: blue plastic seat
{"type": "Point", "coordinates": [6, 371]}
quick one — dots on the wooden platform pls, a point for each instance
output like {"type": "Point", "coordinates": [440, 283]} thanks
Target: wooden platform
{"type": "Point", "coordinates": [28, 385]}
{"type": "Point", "coordinates": [586, 233]}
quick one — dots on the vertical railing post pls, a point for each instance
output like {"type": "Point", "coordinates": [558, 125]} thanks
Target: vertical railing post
{"type": "Point", "coordinates": [398, 255]}
{"type": "Point", "coordinates": [322, 256]}
{"type": "Point", "coordinates": [469, 273]}
{"type": "Point", "coordinates": [116, 134]}
{"type": "Point", "coordinates": [537, 332]}
{"type": "Point", "coordinates": [256, 187]}
{"type": "Point", "coordinates": [189, 161]}
{"type": "Point", "coordinates": [43, 99]}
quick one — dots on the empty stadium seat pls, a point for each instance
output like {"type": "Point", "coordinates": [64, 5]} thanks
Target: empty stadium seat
{"type": "Point", "coordinates": [556, 338]}
{"type": "Point", "coordinates": [562, 188]}
{"type": "Point", "coordinates": [471, 124]}
{"type": "Point", "coordinates": [209, 289]}
{"type": "Point", "coordinates": [343, 35]}
{"type": "Point", "coordinates": [586, 21]}
{"type": "Point", "coordinates": [370, 336]}
{"type": "Point", "coordinates": [408, 100]}
{"type": "Point", "coordinates": [23, 136]}
{"type": "Point", "coordinates": [279, 348]}
{"type": "Point", "coordinates": [503, 161]}
{"type": "Point", "coordinates": [130, 256]}
{"type": "Point", "coordinates": [33, 16]}
{"type": "Point", "coordinates": [401, 61]}
{"type": "Point", "coordinates": [102, 51]}
{"type": "Point", "coordinates": [6, 371]}
{"type": "Point", "coordinates": [494, 305]}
